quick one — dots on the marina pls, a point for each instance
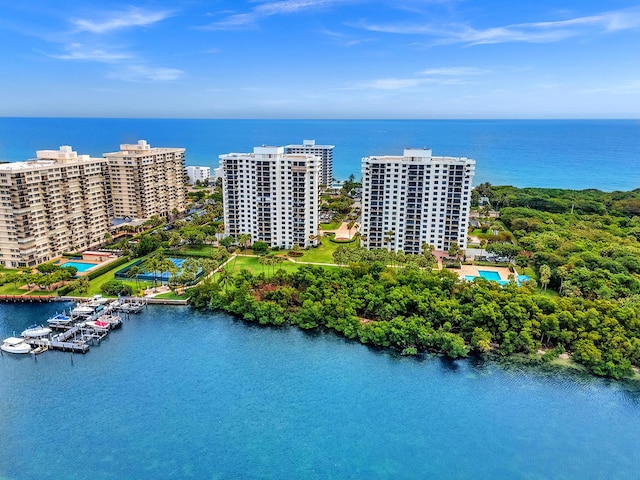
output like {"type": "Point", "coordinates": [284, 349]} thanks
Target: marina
{"type": "Point", "coordinates": [87, 324]}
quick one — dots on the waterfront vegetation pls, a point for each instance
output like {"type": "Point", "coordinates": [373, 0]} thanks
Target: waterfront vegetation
{"type": "Point", "coordinates": [413, 310]}
{"type": "Point", "coordinates": [581, 248]}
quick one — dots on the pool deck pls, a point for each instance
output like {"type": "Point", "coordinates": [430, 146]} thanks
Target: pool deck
{"type": "Point", "coordinates": [61, 260]}
{"type": "Point", "coordinates": [472, 270]}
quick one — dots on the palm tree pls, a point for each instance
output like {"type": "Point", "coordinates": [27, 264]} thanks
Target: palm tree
{"type": "Point", "coordinates": [133, 272]}
{"type": "Point", "coordinates": [210, 239]}
{"type": "Point", "coordinates": [427, 251]}
{"type": "Point", "coordinates": [175, 239]}
{"type": "Point", "coordinates": [244, 240]}
{"type": "Point", "coordinates": [219, 232]}
{"type": "Point", "coordinates": [224, 277]}
{"type": "Point", "coordinates": [153, 264]}
{"type": "Point", "coordinates": [350, 226]}
{"type": "Point", "coordinates": [389, 237]}
{"type": "Point", "coordinates": [171, 268]}
{"type": "Point", "coordinates": [207, 264]}
{"type": "Point", "coordinates": [455, 251]}
{"type": "Point", "coordinates": [264, 260]}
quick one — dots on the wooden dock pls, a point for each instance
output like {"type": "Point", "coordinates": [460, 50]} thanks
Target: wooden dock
{"type": "Point", "coordinates": [45, 343]}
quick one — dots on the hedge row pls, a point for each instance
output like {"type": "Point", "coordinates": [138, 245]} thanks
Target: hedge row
{"type": "Point", "coordinates": [341, 240]}
{"type": "Point", "coordinates": [64, 290]}
{"type": "Point", "coordinates": [106, 268]}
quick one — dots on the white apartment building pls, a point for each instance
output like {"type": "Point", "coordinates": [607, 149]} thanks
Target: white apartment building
{"type": "Point", "coordinates": [414, 199]}
{"type": "Point", "coordinates": [147, 181]}
{"type": "Point", "coordinates": [201, 174]}
{"type": "Point", "coordinates": [272, 196]}
{"type": "Point", "coordinates": [57, 202]}
{"type": "Point", "coordinates": [323, 152]}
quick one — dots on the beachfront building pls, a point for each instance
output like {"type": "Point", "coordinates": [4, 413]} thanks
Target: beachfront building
{"type": "Point", "coordinates": [323, 152]}
{"type": "Point", "coordinates": [414, 199]}
{"type": "Point", "coordinates": [272, 196]}
{"type": "Point", "coordinates": [55, 203]}
{"type": "Point", "coordinates": [147, 181]}
{"type": "Point", "coordinates": [198, 174]}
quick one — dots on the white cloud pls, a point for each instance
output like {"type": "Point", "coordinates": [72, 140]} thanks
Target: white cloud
{"type": "Point", "coordinates": [430, 76]}
{"type": "Point", "coordinates": [268, 9]}
{"type": "Point", "coordinates": [533, 32]}
{"type": "Point", "coordinates": [393, 83]}
{"type": "Point", "coordinates": [77, 51]}
{"type": "Point", "coordinates": [142, 73]}
{"type": "Point", "coordinates": [454, 71]}
{"type": "Point", "coordinates": [630, 88]}
{"type": "Point", "coordinates": [133, 17]}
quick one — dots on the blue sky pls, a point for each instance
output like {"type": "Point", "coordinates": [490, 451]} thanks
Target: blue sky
{"type": "Point", "coordinates": [321, 59]}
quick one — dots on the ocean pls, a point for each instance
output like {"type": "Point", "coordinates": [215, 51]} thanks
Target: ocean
{"type": "Point", "coordinates": [572, 154]}
{"type": "Point", "coordinates": [190, 395]}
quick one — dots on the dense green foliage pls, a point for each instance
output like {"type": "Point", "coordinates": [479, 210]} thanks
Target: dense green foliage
{"type": "Point", "coordinates": [554, 200]}
{"type": "Point", "coordinates": [435, 311]}
{"type": "Point", "coordinates": [588, 239]}
{"type": "Point", "coordinates": [116, 287]}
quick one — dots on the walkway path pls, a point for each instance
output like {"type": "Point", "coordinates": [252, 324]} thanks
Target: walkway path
{"type": "Point", "coordinates": [342, 232]}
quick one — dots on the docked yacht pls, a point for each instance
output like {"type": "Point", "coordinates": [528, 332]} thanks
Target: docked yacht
{"type": "Point", "coordinates": [36, 331]}
{"type": "Point", "coordinates": [15, 345]}
{"type": "Point", "coordinates": [59, 319]}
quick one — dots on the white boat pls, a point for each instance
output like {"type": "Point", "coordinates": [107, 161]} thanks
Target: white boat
{"type": "Point", "coordinates": [98, 325]}
{"type": "Point", "coordinates": [83, 310]}
{"type": "Point", "coordinates": [15, 345]}
{"type": "Point", "coordinates": [59, 319]}
{"type": "Point", "coordinates": [36, 331]}
{"type": "Point", "coordinates": [105, 322]}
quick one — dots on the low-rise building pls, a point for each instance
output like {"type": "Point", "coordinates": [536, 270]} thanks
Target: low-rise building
{"type": "Point", "coordinates": [198, 174]}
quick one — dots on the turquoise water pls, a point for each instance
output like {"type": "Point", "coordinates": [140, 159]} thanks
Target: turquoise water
{"type": "Point", "coordinates": [544, 153]}
{"type": "Point", "coordinates": [81, 266]}
{"type": "Point", "coordinates": [489, 275]}
{"type": "Point", "coordinates": [181, 394]}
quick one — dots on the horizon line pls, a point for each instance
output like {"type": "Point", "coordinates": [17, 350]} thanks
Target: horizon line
{"type": "Point", "coordinates": [325, 118]}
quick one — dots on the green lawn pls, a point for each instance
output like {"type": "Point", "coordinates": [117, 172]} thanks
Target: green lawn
{"type": "Point", "coordinates": [321, 254]}
{"type": "Point", "coordinates": [331, 226]}
{"type": "Point", "coordinates": [9, 289]}
{"type": "Point", "coordinates": [96, 283]}
{"type": "Point", "coordinates": [253, 265]}
{"type": "Point", "coordinates": [172, 296]}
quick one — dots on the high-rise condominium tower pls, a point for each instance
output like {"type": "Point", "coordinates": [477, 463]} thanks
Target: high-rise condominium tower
{"type": "Point", "coordinates": [414, 199]}
{"type": "Point", "coordinates": [62, 201]}
{"type": "Point", "coordinates": [55, 203]}
{"type": "Point", "coordinates": [271, 196]}
{"type": "Point", "coordinates": [147, 181]}
{"type": "Point", "coordinates": [324, 152]}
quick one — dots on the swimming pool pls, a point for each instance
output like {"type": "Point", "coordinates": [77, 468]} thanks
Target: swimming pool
{"type": "Point", "coordinates": [81, 266]}
{"type": "Point", "coordinates": [486, 274]}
